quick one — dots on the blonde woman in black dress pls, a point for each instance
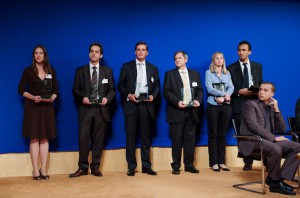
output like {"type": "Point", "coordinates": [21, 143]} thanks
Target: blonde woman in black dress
{"type": "Point", "coordinates": [39, 116]}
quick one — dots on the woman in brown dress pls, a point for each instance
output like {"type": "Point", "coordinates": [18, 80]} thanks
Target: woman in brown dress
{"type": "Point", "coordinates": [39, 87]}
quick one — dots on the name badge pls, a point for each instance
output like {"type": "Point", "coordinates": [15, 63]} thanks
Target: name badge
{"type": "Point", "coordinates": [152, 79]}
{"type": "Point", "coordinates": [194, 84]}
{"type": "Point", "coordinates": [49, 76]}
{"type": "Point", "coordinates": [104, 81]}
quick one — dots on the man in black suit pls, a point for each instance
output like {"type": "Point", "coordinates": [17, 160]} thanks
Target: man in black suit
{"type": "Point", "coordinates": [244, 73]}
{"type": "Point", "coordinates": [184, 93]}
{"type": "Point", "coordinates": [93, 89]}
{"type": "Point", "coordinates": [262, 117]}
{"type": "Point", "coordinates": [139, 87]}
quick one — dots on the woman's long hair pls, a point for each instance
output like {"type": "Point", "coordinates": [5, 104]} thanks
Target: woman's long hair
{"type": "Point", "coordinates": [46, 64]}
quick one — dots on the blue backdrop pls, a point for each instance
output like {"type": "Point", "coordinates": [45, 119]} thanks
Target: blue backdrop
{"type": "Point", "coordinates": [66, 28]}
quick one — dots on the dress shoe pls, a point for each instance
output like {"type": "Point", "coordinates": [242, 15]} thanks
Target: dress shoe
{"type": "Point", "coordinates": [279, 187]}
{"type": "Point", "coordinates": [216, 168]}
{"type": "Point", "coordinates": [289, 187]}
{"type": "Point", "coordinates": [45, 177]}
{"type": "Point", "coordinates": [96, 172]}
{"type": "Point", "coordinates": [149, 171]}
{"type": "Point", "coordinates": [79, 173]}
{"type": "Point", "coordinates": [247, 167]}
{"type": "Point", "coordinates": [191, 170]}
{"type": "Point", "coordinates": [223, 167]}
{"type": "Point", "coordinates": [130, 172]}
{"type": "Point", "coordinates": [37, 177]}
{"type": "Point", "coordinates": [175, 172]}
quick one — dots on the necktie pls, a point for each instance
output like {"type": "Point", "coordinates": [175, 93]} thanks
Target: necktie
{"type": "Point", "coordinates": [186, 88]}
{"type": "Point", "coordinates": [94, 83]}
{"type": "Point", "coordinates": [245, 76]}
{"type": "Point", "coordinates": [139, 79]}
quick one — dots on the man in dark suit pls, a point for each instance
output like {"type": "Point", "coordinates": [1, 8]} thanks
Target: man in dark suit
{"type": "Point", "coordinates": [262, 117]}
{"type": "Point", "coordinates": [184, 93]}
{"type": "Point", "coordinates": [297, 115]}
{"type": "Point", "coordinates": [93, 89]}
{"type": "Point", "coordinates": [244, 73]}
{"type": "Point", "coordinates": [139, 87]}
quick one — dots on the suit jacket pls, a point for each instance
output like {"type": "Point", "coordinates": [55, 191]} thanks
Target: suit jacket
{"type": "Point", "coordinates": [127, 85]}
{"type": "Point", "coordinates": [254, 123]}
{"type": "Point", "coordinates": [172, 92]}
{"type": "Point", "coordinates": [82, 87]}
{"type": "Point", "coordinates": [237, 80]}
{"type": "Point", "coordinates": [297, 115]}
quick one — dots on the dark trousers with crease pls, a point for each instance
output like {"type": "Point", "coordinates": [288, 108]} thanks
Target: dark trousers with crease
{"type": "Point", "coordinates": [92, 130]}
{"type": "Point", "coordinates": [277, 150]}
{"type": "Point", "coordinates": [218, 119]}
{"type": "Point", "coordinates": [183, 135]}
{"type": "Point", "coordinates": [237, 119]}
{"type": "Point", "coordinates": [139, 121]}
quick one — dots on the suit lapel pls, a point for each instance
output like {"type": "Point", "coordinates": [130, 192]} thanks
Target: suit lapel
{"type": "Point", "coordinates": [87, 75]}
{"type": "Point", "coordinates": [133, 70]}
{"type": "Point", "coordinates": [148, 73]}
{"type": "Point", "coordinates": [253, 73]}
{"type": "Point", "coordinates": [178, 77]}
{"type": "Point", "coordinates": [101, 77]}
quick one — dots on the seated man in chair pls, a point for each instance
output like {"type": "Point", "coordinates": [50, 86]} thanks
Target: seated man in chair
{"type": "Point", "coordinates": [262, 117]}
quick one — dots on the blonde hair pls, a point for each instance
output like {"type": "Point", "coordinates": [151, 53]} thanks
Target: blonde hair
{"type": "Point", "coordinates": [212, 65]}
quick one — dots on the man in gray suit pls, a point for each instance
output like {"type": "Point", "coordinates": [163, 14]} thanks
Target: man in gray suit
{"type": "Point", "coordinates": [262, 117]}
{"type": "Point", "coordinates": [93, 89]}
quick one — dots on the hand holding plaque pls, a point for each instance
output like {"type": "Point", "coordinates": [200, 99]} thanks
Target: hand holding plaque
{"type": "Point", "coordinates": [187, 97]}
{"type": "Point", "coordinates": [46, 89]}
{"type": "Point", "coordinates": [142, 94]}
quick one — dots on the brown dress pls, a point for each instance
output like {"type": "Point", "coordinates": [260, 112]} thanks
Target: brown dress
{"type": "Point", "coordinates": [39, 118]}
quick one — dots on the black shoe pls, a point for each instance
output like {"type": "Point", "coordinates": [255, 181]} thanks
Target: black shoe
{"type": "Point", "coordinates": [216, 169]}
{"type": "Point", "coordinates": [289, 187]}
{"type": "Point", "coordinates": [79, 173]}
{"type": "Point", "coordinates": [130, 172]}
{"type": "Point", "coordinates": [191, 170]}
{"type": "Point", "coordinates": [175, 171]}
{"type": "Point", "coordinates": [224, 168]}
{"type": "Point", "coordinates": [45, 177]}
{"type": "Point", "coordinates": [96, 173]}
{"type": "Point", "coordinates": [247, 167]}
{"type": "Point", "coordinates": [279, 187]}
{"type": "Point", "coordinates": [149, 171]}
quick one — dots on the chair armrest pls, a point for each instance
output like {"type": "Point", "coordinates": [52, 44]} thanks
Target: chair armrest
{"type": "Point", "coordinates": [248, 137]}
{"type": "Point", "coordinates": [291, 133]}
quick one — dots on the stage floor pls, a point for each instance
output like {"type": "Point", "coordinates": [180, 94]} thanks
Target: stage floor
{"type": "Point", "coordinates": [117, 184]}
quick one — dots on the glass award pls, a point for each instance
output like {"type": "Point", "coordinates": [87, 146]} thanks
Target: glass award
{"type": "Point", "coordinates": [220, 87]}
{"type": "Point", "coordinates": [46, 89]}
{"type": "Point", "coordinates": [187, 97]}
{"type": "Point", "coordinates": [96, 100]}
{"type": "Point", "coordinates": [142, 94]}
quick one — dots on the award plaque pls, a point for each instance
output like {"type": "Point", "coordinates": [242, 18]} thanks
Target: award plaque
{"type": "Point", "coordinates": [46, 89]}
{"type": "Point", "coordinates": [187, 101]}
{"type": "Point", "coordinates": [142, 94]}
{"type": "Point", "coordinates": [96, 100]}
{"type": "Point", "coordinates": [220, 87]}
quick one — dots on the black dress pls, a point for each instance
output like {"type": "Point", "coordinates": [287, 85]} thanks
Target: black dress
{"type": "Point", "coordinates": [39, 118]}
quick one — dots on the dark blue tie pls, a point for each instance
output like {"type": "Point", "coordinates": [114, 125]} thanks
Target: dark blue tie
{"type": "Point", "coordinates": [245, 76]}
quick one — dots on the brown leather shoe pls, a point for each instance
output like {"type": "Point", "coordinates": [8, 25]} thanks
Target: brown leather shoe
{"type": "Point", "coordinates": [96, 173]}
{"type": "Point", "coordinates": [79, 173]}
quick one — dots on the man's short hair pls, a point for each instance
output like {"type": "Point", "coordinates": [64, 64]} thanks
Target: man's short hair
{"type": "Point", "coordinates": [246, 43]}
{"type": "Point", "coordinates": [184, 54]}
{"type": "Point", "coordinates": [269, 83]}
{"type": "Point", "coordinates": [96, 44]}
{"type": "Point", "coordinates": [141, 43]}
